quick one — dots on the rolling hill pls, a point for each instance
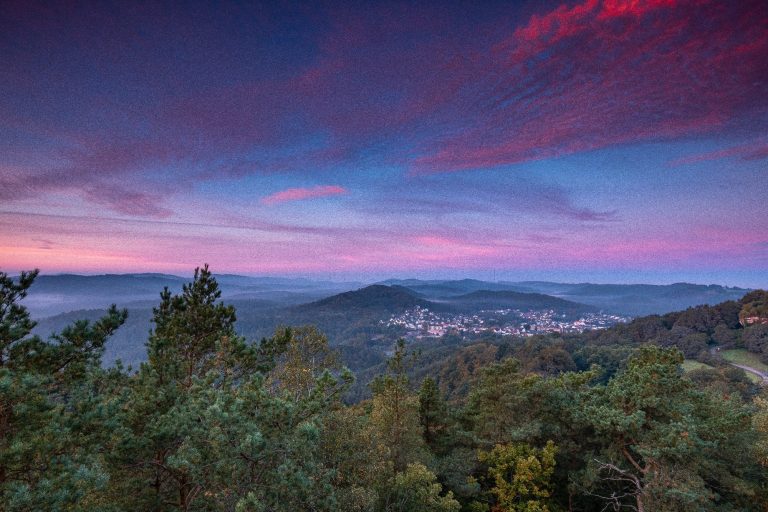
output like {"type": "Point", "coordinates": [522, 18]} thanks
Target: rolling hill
{"type": "Point", "coordinates": [640, 299]}
{"type": "Point", "coordinates": [349, 318]}
{"type": "Point", "coordinates": [485, 299]}
{"type": "Point", "coordinates": [375, 298]}
{"type": "Point", "coordinates": [438, 289]}
{"type": "Point", "coordinates": [623, 299]}
{"type": "Point", "coordinates": [55, 294]}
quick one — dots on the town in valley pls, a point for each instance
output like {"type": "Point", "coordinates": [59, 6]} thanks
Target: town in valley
{"type": "Point", "coordinates": [420, 322]}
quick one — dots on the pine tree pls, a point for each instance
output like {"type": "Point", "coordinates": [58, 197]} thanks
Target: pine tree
{"type": "Point", "coordinates": [48, 459]}
{"type": "Point", "coordinates": [433, 416]}
{"type": "Point", "coordinates": [305, 356]}
{"type": "Point", "coordinates": [667, 445]}
{"type": "Point", "coordinates": [521, 476]}
{"type": "Point", "coordinates": [202, 431]}
{"type": "Point", "coordinates": [395, 413]}
{"type": "Point", "coordinates": [416, 488]}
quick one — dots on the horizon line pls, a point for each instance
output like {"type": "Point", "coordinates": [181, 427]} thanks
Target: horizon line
{"type": "Point", "coordinates": [363, 282]}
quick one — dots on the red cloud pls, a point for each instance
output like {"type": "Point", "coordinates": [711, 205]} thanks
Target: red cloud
{"type": "Point", "coordinates": [601, 74]}
{"type": "Point", "coordinates": [297, 194]}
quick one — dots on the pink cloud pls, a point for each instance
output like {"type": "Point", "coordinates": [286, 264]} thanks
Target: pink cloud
{"type": "Point", "coordinates": [439, 248]}
{"type": "Point", "coordinates": [298, 194]}
{"type": "Point", "coordinates": [138, 244]}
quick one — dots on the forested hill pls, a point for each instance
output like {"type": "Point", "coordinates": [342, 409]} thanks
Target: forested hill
{"type": "Point", "coordinates": [623, 299]}
{"type": "Point", "coordinates": [714, 337]}
{"type": "Point", "coordinates": [444, 288]}
{"type": "Point", "coordinates": [486, 299]}
{"type": "Point", "coordinates": [350, 319]}
{"type": "Point", "coordinates": [378, 298]}
{"type": "Point", "coordinates": [56, 294]}
{"type": "Point", "coordinates": [639, 299]}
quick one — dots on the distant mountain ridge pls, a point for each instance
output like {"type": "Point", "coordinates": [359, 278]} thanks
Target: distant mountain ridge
{"type": "Point", "coordinates": [60, 293]}
{"type": "Point", "coordinates": [624, 299]}
{"type": "Point", "coordinates": [396, 299]}
{"type": "Point", "coordinates": [265, 303]}
{"type": "Point", "coordinates": [337, 315]}
{"type": "Point", "coordinates": [642, 299]}
{"type": "Point", "coordinates": [435, 288]}
{"type": "Point", "coordinates": [506, 299]}
{"type": "Point", "coordinates": [54, 294]}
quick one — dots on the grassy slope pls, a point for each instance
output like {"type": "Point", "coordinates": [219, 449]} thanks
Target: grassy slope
{"type": "Point", "coordinates": [689, 365]}
{"type": "Point", "coordinates": [741, 356]}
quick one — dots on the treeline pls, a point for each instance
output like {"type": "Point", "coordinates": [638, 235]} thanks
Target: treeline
{"type": "Point", "coordinates": [698, 333]}
{"type": "Point", "coordinates": [213, 423]}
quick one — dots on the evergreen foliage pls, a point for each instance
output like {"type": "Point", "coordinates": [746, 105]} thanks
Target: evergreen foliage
{"type": "Point", "coordinates": [213, 422]}
{"type": "Point", "coordinates": [49, 452]}
{"type": "Point", "coordinates": [521, 476]}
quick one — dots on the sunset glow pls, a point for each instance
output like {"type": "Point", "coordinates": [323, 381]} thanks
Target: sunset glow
{"type": "Point", "coordinates": [607, 141]}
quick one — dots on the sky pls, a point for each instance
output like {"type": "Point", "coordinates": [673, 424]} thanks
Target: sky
{"type": "Point", "coordinates": [614, 141]}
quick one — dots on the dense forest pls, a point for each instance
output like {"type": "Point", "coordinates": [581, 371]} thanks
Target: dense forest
{"type": "Point", "coordinates": [608, 420]}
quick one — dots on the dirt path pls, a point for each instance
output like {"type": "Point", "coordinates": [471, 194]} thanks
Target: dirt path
{"type": "Point", "coordinates": [753, 371]}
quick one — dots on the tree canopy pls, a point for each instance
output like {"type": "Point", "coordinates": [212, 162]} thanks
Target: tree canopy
{"type": "Point", "coordinates": [214, 422]}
